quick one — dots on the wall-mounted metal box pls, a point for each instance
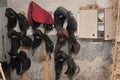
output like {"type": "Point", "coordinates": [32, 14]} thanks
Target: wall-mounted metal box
{"type": "Point", "coordinates": [96, 24]}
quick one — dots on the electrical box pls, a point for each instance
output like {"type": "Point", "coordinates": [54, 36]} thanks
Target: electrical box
{"type": "Point", "coordinates": [96, 24]}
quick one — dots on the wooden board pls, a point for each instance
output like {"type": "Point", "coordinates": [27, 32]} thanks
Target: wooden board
{"type": "Point", "coordinates": [24, 76]}
{"type": "Point", "coordinates": [46, 64]}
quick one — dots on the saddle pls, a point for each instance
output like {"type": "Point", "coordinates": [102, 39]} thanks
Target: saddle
{"type": "Point", "coordinates": [20, 62]}
{"type": "Point", "coordinates": [39, 37]}
{"type": "Point", "coordinates": [60, 59]}
{"type": "Point", "coordinates": [65, 35]}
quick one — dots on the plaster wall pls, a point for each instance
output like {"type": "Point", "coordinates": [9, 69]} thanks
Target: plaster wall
{"type": "Point", "coordinates": [94, 57]}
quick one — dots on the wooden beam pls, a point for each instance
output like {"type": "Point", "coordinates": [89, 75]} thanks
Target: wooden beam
{"type": "Point", "coordinates": [116, 45]}
{"type": "Point", "coordinates": [46, 70]}
{"type": "Point", "coordinates": [46, 63]}
{"type": "Point", "coordinates": [2, 73]}
{"type": "Point", "coordinates": [24, 75]}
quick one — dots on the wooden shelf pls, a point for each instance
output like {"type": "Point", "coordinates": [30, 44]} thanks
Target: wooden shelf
{"type": "Point", "coordinates": [100, 23]}
{"type": "Point", "coordinates": [101, 38]}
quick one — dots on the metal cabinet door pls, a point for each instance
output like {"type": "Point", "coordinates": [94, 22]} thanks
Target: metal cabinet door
{"type": "Point", "coordinates": [87, 24]}
{"type": "Point", "coordinates": [109, 25]}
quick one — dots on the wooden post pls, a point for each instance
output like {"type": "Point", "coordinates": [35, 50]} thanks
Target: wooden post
{"type": "Point", "coordinates": [2, 73]}
{"type": "Point", "coordinates": [46, 63]}
{"type": "Point", "coordinates": [24, 75]}
{"type": "Point", "coordinates": [115, 52]}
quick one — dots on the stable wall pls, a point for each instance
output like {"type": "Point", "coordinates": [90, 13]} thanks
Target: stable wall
{"type": "Point", "coordinates": [51, 5]}
{"type": "Point", "coordinates": [3, 51]}
{"type": "Point", "coordinates": [94, 57]}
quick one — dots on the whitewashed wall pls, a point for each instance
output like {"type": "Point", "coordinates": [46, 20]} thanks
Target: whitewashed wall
{"type": "Point", "coordinates": [93, 58]}
{"type": "Point", "coordinates": [3, 44]}
{"type": "Point", "coordinates": [51, 5]}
